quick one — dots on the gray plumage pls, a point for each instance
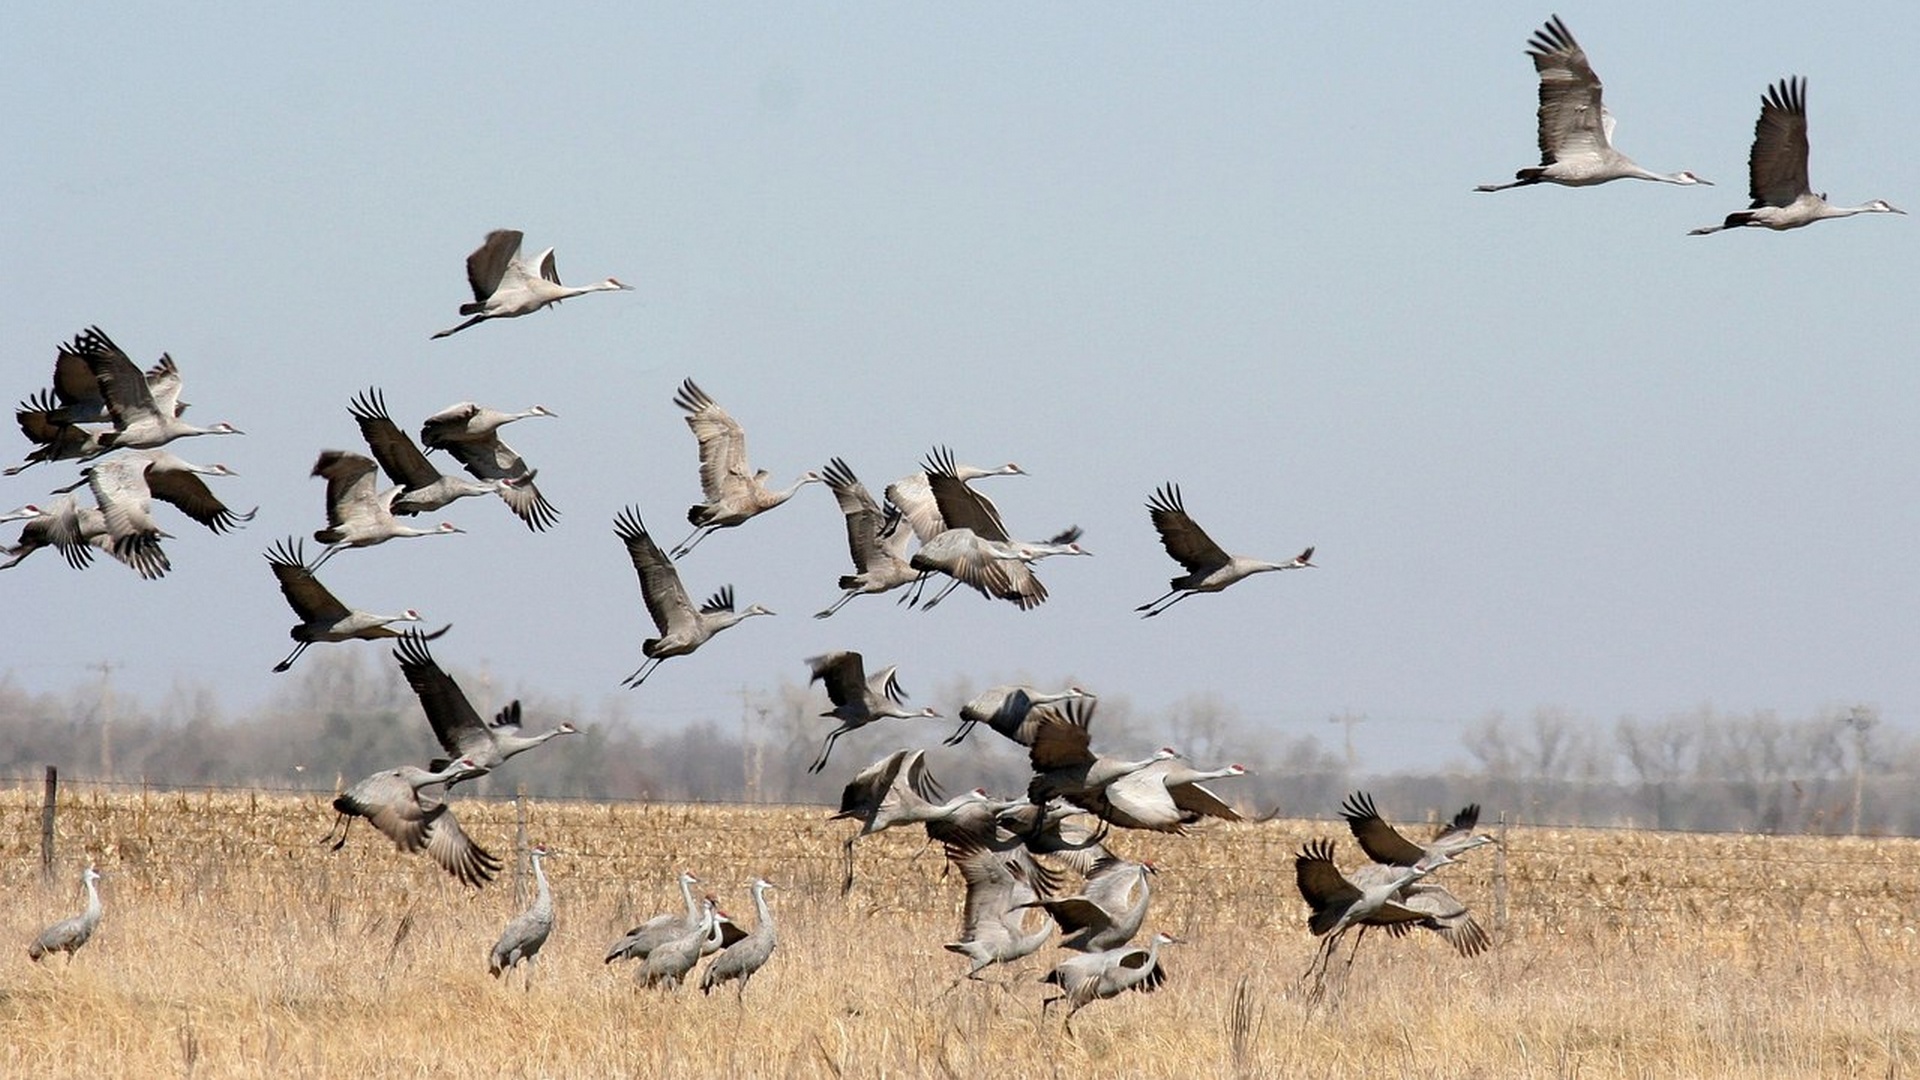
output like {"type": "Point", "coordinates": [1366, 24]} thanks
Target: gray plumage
{"type": "Point", "coordinates": [875, 539]}
{"type": "Point", "coordinates": [1336, 903]}
{"type": "Point", "coordinates": [895, 790]}
{"type": "Point", "coordinates": [358, 513]}
{"type": "Point", "coordinates": [670, 961]}
{"type": "Point", "coordinates": [471, 435]}
{"type": "Point", "coordinates": [682, 627]}
{"type": "Point", "coordinates": [422, 487]}
{"type": "Point", "coordinates": [1094, 976]}
{"type": "Point", "coordinates": [643, 939]}
{"type": "Point", "coordinates": [734, 491]}
{"type": "Point", "coordinates": [322, 616]}
{"type": "Point", "coordinates": [461, 732]}
{"type": "Point", "coordinates": [506, 286]}
{"type": "Point", "coordinates": [1385, 844]}
{"type": "Point", "coordinates": [743, 958]}
{"type": "Point", "coordinates": [1064, 764]}
{"type": "Point", "coordinates": [68, 935]}
{"type": "Point", "coordinates": [143, 405]}
{"type": "Point", "coordinates": [1108, 909]}
{"type": "Point", "coordinates": [1783, 198]}
{"type": "Point", "coordinates": [858, 700]}
{"type": "Point", "coordinates": [527, 931]}
{"type": "Point", "coordinates": [1000, 889]}
{"type": "Point", "coordinates": [1209, 567]}
{"type": "Point", "coordinates": [393, 802]}
{"type": "Point", "coordinates": [1445, 914]}
{"type": "Point", "coordinates": [1165, 796]}
{"type": "Point", "coordinates": [1005, 709]}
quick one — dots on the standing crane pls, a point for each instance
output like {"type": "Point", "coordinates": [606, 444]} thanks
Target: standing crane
{"type": "Point", "coordinates": [461, 732]}
{"type": "Point", "coordinates": [526, 932]}
{"type": "Point", "coordinates": [422, 487]}
{"type": "Point", "coordinates": [748, 955]}
{"type": "Point", "coordinates": [1576, 129]}
{"type": "Point", "coordinates": [858, 700]}
{"type": "Point", "coordinates": [735, 492]}
{"type": "Point", "coordinates": [896, 790]}
{"type": "Point", "coordinates": [1777, 170]}
{"type": "Point", "coordinates": [505, 286]}
{"type": "Point", "coordinates": [642, 939]}
{"type": "Point", "coordinates": [1108, 909]}
{"type": "Point", "coordinates": [682, 628]}
{"type": "Point", "coordinates": [69, 934]}
{"type": "Point", "coordinates": [670, 961]}
{"type": "Point", "coordinates": [358, 515]}
{"type": "Point", "coordinates": [1096, 976]}
{"type": "Point", "coordinates": [1209, 568]}
{"type": "Point", "coordinates": [322, 616]}
{"type": "Point", "coordinates": [144, 406]}
{"type": "Point", "coordinates": [471, 435]}
{"type": "Point", "coordinates": [1006, 709]}
{"type": "Point", "coordinates": [392, 800]}
{"type": "Point", "coordinates": [874, 538]}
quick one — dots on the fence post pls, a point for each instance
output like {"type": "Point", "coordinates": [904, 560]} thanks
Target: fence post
{"type": "Point", "coordinates": [1500, 880]}
{"type": "Point", "coordinates": [519, 845]}
{"type": "Point", "coordinates": [46, 823]}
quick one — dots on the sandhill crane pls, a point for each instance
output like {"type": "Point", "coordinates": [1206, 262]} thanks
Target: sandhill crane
{"type": "Point", "coordinates": [743, 958]}
{"type": "Point", "coordinates": [1000, 888]}
{"type": "Point", "coordinates": [75, 531]}
{"type": "Point", "coordinates": [76, 396]}
{"type": "Point", "coordinates": [896, 790]}
{"type": "Point", "coordinates": [69, 934]}
{"type": "Point", "coordinates": [1095, 976]}
{"type": "Point", "coordinates": [994, 569]}
{"type": "Point", "coordinates": [392, 800]}
{"type": "Point", "coordinates": [670, 961]}
{"type": "Point", "coordinates": [1445, 914]}
{"type": "Point", "coordinates": [526, 932]}
{"type": "Point", "coordinates": [643, 939]}
{"type": "Point", "coordinates": [505, 286]}
{"type": "Point", "coordinates": [1108, 909]}
{"type": "Point", "coordinates": [1777, 169]}
{"type": "Point", "coordinates": [322, 616]}
{"type": "Point", "coordinates": [1385, 844]}
{"type": "Point", "coordinates": [1064, 764]}
{"type": "Point", "coordinates": [858, 699]}
{"type": "Point", "coordinates": [55, 438]}
{"type": "Point", "coordinates": [874, 539]}
{"type": "Point", "coordinates": [1576, 129]}
{"type": "Point", "coordinates": [120, 487]}
{"type": "Point", "coordinates": [1209, 568]}
{"type": "Point", "coordinates": [735, 493]}
{"type": "Point", "coordinates": [1166, 796]}
{"type": "Point", "coordinates": [1338, 903]}
{"type": "Point", "coordinates": [913, 494]}
{"type": "Point", "coordinates": [1005, 709]}
{"type": "Point", "coordinates": [471, 434]}
{"type": "Point", "coordinates": [461, 732]}
{"type": "Point", "coordinates": [143, 406]}
{"type": "Point", "coordinates": [358, 515]}
{"type": "Point", "coordinates": [682, 628]}
{"type": "Point", "coordinates": [173, 479]}
{"type": "Point", "coordinates": [422, 487]}
{"type": "Point", "coordinates": [979, 539]}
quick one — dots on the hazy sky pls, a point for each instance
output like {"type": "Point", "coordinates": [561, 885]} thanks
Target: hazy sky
{"type": "Point", "coordinates": [1553, 451]}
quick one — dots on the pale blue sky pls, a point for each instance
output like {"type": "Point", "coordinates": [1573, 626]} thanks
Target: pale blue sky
{"type": "Point", "coordinates": [1552, 450]}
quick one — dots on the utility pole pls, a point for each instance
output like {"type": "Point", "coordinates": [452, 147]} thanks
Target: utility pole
{"type": "Point", "coordinates": [1346, 720]}
{"type": "Point", "coordinates": [1861, 719]}
{"type": "Point", "coordinates": [105, 668]}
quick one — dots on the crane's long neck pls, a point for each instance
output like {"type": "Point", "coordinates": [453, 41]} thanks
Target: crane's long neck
{"type": "Point", "coordinates": [92, 914]}
{"type": "Point", "coordinates": [760, 908]}
{"type": "Point", "coordinates": [686, 891]}
{"type": "Point", "coordinates": [542, 897]}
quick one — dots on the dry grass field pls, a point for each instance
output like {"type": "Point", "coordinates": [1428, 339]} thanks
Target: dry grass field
{"type": "Point", "coordinates": [234, 945]}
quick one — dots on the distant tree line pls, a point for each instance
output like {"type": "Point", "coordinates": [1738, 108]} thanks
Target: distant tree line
{"type": "Point", "coordinates": [343, 715]}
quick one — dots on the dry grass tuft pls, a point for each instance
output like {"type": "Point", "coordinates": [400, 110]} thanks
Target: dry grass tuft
{"type": "Point", "coordinates": [235, 945]}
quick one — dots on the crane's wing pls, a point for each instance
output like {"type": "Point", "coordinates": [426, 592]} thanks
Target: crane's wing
{"type": "Point", "coordinates": [1462, 825]}
{"type": "Point", "coordinates": [1572, 120]}
{"type": "Point", "coordinates": [1138, 800]}
{"type": "Point", "coordinates": [450, 846]}
{"type": "Point", "coordinates": [547, 268]}
{"type": "Point", "coordinates": [488, 264]}
{"type": "Point", "coordinates": [122, 384]}
{"type": "Point", "coordinates": [919, 780]}
{"type": "Point", "coordinates": [120, 487]}
{"type": "Point", "coordinates": [190, 494]}
{"type": "Point", "coordinates": [887, 681]}
{"type": "Point", "coordinates": [1062, 734]}
{"type": "Point", "coordinates": [843, 673]}
{"type": "Point", "coordinates": [1448, 917]}
{"type": "Point", "coordinates": [163, 386]}
{"type": "Point", "coordinates": [1197, 801]}
{"type": "Point", "coordinates": [914, 498]}
{"type": "Point", "coordinates": [1321, 885]}
{"type": "Point", "coordinates": [1777, 167]}
{"type": "Point", "coordinates": [449, 425]}
{"type": "Point", "coordinates": [1186, 541]}
{"type": "Point", "coordinates": [1381, 841]}
{"type": "Point", "coordinates": [399, 458]}
{"type": "Point", "coordinates": [305, 595]}
{"type": "Point", "coordinates": [723, 445]}
{"type": "Point", "coordinates": [491, 459]}
{"type": "Point", "coordinates": [865, 520]}
{"type": "Point", "coordinates": [660, 587]}
{"type": "Point", "coordinates": [960, 506]}
{"type": "Point", "coordinates": [870, 785]}
{"type": "Point", "coordinates": [460, 730]}
{"type": "Point", "coordinates": [351, 481]}
{"type": "Point", "coordinates": [73, 383]}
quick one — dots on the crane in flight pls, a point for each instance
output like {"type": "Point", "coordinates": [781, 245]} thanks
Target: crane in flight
{"type": "Point", "coordinates": [734, 491]}
{"type": "Point", "coordinates": [1576, 128]}
{"type": "Point", "coordinates": [1209, 568]}
{"type": "Point", "coordinates": [858, 699]}
{"type": "Point", "coordinates": [506, 286]}
{"type": "Point", "coordinates": [683, 628]}
{"type": "Point", "coordinates": [1777, 170]}
{"type": "Point", "coordinates": [322, 616]}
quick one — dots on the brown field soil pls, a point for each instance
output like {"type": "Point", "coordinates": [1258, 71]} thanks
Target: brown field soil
{"type": "Point", "coordinates": [235, 945]}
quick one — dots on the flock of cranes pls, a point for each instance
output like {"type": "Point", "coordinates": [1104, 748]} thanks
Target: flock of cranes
{"type": "Point", "coordinates": [1029, 865]}
{"type": "Point", "coordinates": [1576, 143]}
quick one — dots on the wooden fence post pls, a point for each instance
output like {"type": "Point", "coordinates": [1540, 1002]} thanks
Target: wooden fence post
{"type": "Point", "coordinates": [46, 823]}
{"type": "Point", "coordinates": [1500, 880]}
{"type": "Point", "coordinates": [519, 845]}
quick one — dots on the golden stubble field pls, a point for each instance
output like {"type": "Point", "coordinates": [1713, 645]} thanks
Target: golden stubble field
{"type": "Point", "coordinates": [235, 945]}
